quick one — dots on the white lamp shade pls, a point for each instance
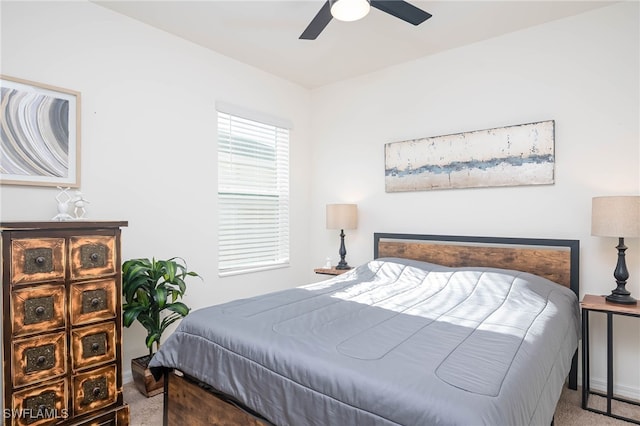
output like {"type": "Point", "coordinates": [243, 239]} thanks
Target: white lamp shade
{"type": "Point", "coordinates": [616, 216]}
{"type": "Point", "coordinates": [349, 10]}
{"type": "Point", "coordinates": [342, 216]}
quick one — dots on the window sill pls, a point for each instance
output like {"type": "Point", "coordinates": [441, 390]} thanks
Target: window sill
{"type": "Point", "coordinates": [252, 270]}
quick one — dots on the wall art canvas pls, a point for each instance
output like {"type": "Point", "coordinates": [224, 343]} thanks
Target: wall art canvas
{"type": "Point", "coordinates": [505, 156]}
{"type": "Point", "coordinates": [39, 134]}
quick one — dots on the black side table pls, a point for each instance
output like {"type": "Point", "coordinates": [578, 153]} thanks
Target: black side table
{"type": "Point", "coordinates": [599, 304]}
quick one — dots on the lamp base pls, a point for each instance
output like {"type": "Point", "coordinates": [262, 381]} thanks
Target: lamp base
{"type": "Point", "coordinates": [623, 299]}
{"type": "Point", "coordinates": [342, 265]}
{"type": "Point", "coordinates": [620, 294]}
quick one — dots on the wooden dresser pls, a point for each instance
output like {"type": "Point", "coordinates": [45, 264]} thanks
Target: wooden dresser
{"type": "Point", "coordinates": [62, 324]}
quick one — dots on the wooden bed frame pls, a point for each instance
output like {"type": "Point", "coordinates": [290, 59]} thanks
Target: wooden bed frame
{"type": "Point", "coordinates": [187, 401]}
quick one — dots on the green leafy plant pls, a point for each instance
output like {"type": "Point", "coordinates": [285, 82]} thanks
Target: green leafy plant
{"type": "Point", "coordinates": [151, 289]}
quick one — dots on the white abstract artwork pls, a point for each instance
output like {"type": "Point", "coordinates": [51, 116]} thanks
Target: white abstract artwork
{"type": "Point", "coordinates": [506, 156]}
{"type": "Point", "coordinates": [39, 134]}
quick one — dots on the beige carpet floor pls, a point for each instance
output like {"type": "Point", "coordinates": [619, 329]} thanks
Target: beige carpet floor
{"type": "Point", "coordinates": [148, 411]}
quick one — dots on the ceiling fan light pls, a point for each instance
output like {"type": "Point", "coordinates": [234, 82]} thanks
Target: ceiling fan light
{"type": "Point", "coordinates": [349, 10]}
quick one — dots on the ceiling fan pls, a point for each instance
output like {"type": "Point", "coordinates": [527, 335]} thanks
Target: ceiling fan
{"type": "Point", "coordinates": [352, 10]}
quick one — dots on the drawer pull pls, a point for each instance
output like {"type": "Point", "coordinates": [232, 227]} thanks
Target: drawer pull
{"type": "Point", "coordinates": [93, 256]}
{"type": "Point", "coordinates": [96, 389]}
{"type": "Point", "coordinates": [38, 261]}
{"type": "Point", "coordinates": [37, 309]}
{"type": "Point", "coordinates": [39, 403]}
{"type": "Point", "coordinates": [94, 300]}
{"type": "Point", "coordinates": [94, 345]}
{"type": "Point", "coordinates": [40, 358]}
{"type": "Point", "coordinates": [41, 309]}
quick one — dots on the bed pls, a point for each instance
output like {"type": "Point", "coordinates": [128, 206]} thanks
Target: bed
{"type": "Point", "coordinates": [435, 330]}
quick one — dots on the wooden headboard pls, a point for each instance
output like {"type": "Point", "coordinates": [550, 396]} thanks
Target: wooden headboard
{"type": "Point", "coordinates": [556, 260]}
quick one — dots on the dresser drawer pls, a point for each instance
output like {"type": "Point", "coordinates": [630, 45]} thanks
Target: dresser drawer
{"type": "Point", "coordinates": [93, 301]}
{"type": "Point", "coordinates": [42, 405]}
{"type": "Point", "coordinates": [92, 256]}
{"type": "Point", "coordinates": [37, 259]}
{"type": "Point", "coordinates": [93, 345]}
{"type": "Point", "coordinates": [118, 417]}
{"type": "Point", "coordinates": [38, 309]}
{"type": "Point", "coordinates": [38, 358]}
{"type": "Point", "coordinates": [94, 389]}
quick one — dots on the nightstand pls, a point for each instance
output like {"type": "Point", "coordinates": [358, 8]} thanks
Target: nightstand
{"type": "Point", "coordinates": [599, 304]}
{"type": "Point", "coordinates": [330, 271]}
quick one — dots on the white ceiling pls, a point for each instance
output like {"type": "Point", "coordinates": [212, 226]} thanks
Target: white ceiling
{"type": "Point", "coordinates": [265, 33]}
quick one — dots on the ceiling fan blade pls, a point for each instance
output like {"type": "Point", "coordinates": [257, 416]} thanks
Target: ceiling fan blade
{"type": "Point", "coordinates": [402, 10]}
{"type": "Point", "coordinates": [318, 23]}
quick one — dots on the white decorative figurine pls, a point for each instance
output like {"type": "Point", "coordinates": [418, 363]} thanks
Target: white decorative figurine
{"type": "Point", "coordinates": [79, 203]}
{"type": "Point", "coordinates": [63, 199]}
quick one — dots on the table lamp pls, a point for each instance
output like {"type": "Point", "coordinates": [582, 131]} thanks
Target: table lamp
{"type": "Point", "coordinates": [617, 216]}
{"type": "Point", "coordinates": [342, 216]}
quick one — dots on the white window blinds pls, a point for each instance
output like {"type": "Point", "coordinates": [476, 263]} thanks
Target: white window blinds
{"type": "Point", "coordinates": [253, 195]}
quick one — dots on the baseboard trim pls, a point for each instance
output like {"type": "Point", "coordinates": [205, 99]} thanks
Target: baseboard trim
{"type": "Point", "coordinates": [600, 385]}
{"type": "Point", "coordinates": [127, 376]}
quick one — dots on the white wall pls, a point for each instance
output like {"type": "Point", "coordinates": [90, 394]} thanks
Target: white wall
{"type": "Point", "coordinates": [583, 72]}
{"type": "Point", "coordinates": [149, 137]}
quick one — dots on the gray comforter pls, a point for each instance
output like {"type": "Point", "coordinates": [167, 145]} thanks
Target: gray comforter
{"type": "Point", "coordinates": [392, 342]}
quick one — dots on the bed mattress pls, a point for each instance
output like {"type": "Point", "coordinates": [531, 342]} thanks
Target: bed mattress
{"type": "Point", "coordinates": [392, 342]}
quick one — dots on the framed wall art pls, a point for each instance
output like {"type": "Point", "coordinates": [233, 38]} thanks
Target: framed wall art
{"type": "Point", "coordinates": [523, 154]}
{"type": "Point", "coordinates": [39, 134]}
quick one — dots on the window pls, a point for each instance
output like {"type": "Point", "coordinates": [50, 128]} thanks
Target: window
{"type": "Point", "coordinates": [253, 195]}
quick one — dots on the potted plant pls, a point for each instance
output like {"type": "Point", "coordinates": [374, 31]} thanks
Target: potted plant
{"type": "Point", "coordinates": [151, 290]}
